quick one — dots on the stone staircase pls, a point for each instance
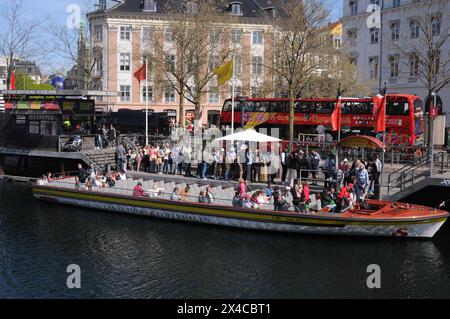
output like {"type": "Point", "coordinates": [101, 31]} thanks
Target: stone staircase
{"type": "Point", "coordinates": [102, 159]}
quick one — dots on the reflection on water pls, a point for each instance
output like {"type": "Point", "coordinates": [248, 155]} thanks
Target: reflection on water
{"type": "Point", "coordinates": [122, 256]}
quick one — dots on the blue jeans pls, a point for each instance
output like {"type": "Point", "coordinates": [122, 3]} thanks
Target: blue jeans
{"type": "Point", "coordinates": [204, 168]}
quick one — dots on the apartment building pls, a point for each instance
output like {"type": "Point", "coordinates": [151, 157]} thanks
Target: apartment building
{"type": "Point", "coordinates": [389, 54]}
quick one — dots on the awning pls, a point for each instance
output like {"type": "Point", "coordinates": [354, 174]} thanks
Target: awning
{"type": "Point", "coordinates": [363, 141]}
{"type": "Point", "coordinates": [249, 135]}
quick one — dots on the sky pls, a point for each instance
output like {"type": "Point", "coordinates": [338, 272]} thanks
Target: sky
{"type": "Point", "coordinates": [53, 12]}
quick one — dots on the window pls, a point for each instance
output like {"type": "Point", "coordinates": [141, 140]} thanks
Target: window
{"type": "Point", "coordinates": [352, 36]}
{"type": "Point", "coordinates": [98, 33]}
{"type": "Point", "coordinates": [144, 91]}
{"type": "Point", "coordinates": [236, 8]}
{"type": "Point", "coordinates": [395, 30]}
{"type": "Point", "coordinates": [236, 35]}
{"type": "Point", "coordinates": [257, 37]}
{"type": "Point", "coordinates": [168, 35]}
{"type": "Point", "coordinates": [353, 5]}
{"type": "Point", "coordinates": [146, 34]}
{"type": "Point", "coordinates": [170, 63]}
{"type": "Point", "coordinates": [415, 28]}
{"type": "Point", "coordinates": [99, 64]}
{"type": "Point", "coordinates": [213, 63]}
{"type": "Point", "coordinates": [397, 108]}
{"type": "Point", "coordinates": [413, 65]}
{"type": "Point", "coordinates": [30, 70]}
{"type": "Point", "coordinates": [373, 65]}
{"type": "Point", "coordinates": [374, 35]}
{"type": "Point", "coordinates": [214, 36]}
{"type": "Point", "coordinates": [169, 93]}
{"type": "Point", "coordinates": [213, 95]}
{"type": "Point", "coordinates": [125, 62]}
{"type": "Point", "coordinates": [337, 43]}
{"type": "Point", "coordinates": [125, 93]}
{"type": "Point", "coordinates": [125, 33]}
{"type": "Point", "coordinates": [396, 3]}
{"type": "Point", "coordinates": [393, 61]}
{"type": "Point", "coordinates": [238, 65]}
{"type": "Point", "coordinates": [150, 5]}
{"type": "Point", "coordinates": [257, 65]}
{"type": "Point", "coordinates": [237, 90]}
{"type": "Point", "coordinates": [436, 25]}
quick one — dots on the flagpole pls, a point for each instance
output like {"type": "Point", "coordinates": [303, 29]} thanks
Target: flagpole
{"type": "Point", "coordinates": [233, 93]}
{"type": "Point", "coordinates": [146, 101]}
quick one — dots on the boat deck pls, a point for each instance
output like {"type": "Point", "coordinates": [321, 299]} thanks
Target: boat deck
{"type": "Point", "coordinates": [379, 210]}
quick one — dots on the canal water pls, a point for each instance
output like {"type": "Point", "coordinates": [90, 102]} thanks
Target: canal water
{"type": "Point", "coordinates": [135, 257]}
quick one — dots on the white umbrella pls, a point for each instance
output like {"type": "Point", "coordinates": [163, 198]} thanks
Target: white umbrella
{"type": "Point", "coordinates": [249, 135]}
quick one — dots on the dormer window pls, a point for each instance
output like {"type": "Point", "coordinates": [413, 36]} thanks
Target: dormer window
{"type": "Point", "coordinates": [149, 5]}
{"type": "Point", "coordinates": [235, 8]}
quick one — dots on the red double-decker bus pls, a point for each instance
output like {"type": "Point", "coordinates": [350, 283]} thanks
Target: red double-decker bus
{"type": "Point", "coordinates": [404, 116]}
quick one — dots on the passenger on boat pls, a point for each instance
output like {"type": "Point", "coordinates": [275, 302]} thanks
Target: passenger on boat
{"type": "Point", "coordinates": [202, 198]}
{"type": "Point", "coordinates": [122, 175]}
{"type": "Point", "coordinates": [344, 200]}
{"type": "Point", "coordinates": [138, 191]}
{"type": "Point", "coordinates": [279, 199]}
{"type": "Point", "coordinates": [209, 195]}
{"type": "Point", "coordinates": [184, 194]}
{"type": "Point", "coordinates": [269, 191]}
{"type": "Point", "coordinates": [297, 202]}
{"type": "Point", "coordinates": [328, 198]}
{"type": "Point", "coordinates": [80, 180]}
{"type": "Point", "coordinates": [156, 190]}
{"type": "Point", "coordinates": [237, 200]}
{"type": "Point", "coordinates": [175, 195]}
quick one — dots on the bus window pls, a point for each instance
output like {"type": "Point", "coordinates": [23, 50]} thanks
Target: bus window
{"type": "Point", "coordinates": [227, 106]}
{"type": "Point", "coordinates": [397, 108]}
{"type": "Point", "coordinates": [305, 107]}
{"type": "Point", "coordinates": [324, 107]}
{"type": "Point", "coordinates": [418, 106]}
{"type": "Point", "coordinates": [249, 106]}
{"type": "Point", "coordinates": [260, 107]}
{"type": "Point", "coordinates": [278, 107]}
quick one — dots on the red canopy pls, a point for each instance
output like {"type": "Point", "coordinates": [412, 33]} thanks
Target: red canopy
{"type": "Point", "coordinates": [361, 141]}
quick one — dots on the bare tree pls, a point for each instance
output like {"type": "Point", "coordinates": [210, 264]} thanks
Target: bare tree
{"type": "Point", "coordinates": [336, 68]}
{"type": "Point", "coordinates": [299, 36]}
{"type": "Point", "coordinates": [74, 47]}
{"type": "Point", "coordinates": [195, 42]}
{"type": "Point", "coordinates": [422, 48]}
{"type": "Point", "coordinates": [19, 36]}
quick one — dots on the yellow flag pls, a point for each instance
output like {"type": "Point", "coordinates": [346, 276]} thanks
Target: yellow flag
{"type": "Point", "coordinates": [224, 73]}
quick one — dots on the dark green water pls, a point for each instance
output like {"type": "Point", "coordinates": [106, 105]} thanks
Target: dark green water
{"type": "Point", "coordinates": [134, 257]}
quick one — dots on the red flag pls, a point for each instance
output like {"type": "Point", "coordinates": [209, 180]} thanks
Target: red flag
{"type": "Point", "coordinates": [379, 113]}
{"type": "Point", "coordinates": [12, 81]}
{"type": "Point", "coordinates": [336, 116]}
{"type": "Point", "coordinates": [141, 74]}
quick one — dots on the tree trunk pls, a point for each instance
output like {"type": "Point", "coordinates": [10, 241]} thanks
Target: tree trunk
{"type": "Point", "coordinates": [197, 111]}
{"type": "Point", "coordinates": [181, 108]}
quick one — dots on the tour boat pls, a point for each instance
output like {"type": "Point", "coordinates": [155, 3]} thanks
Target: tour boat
{"type": "Point", "coordinates": [379, 218]}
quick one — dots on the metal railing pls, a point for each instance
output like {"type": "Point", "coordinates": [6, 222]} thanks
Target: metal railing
{"type": "Point", "coordinates": [409, 174]}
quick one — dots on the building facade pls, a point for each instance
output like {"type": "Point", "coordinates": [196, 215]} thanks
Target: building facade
{"type": "Point", "coordinates": [388, 54]}
{"type": "Point", "coordinates": [121, 33]}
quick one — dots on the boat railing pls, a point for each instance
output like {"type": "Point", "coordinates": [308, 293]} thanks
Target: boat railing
{"type": "Point", "coordinates": [69, 182]}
